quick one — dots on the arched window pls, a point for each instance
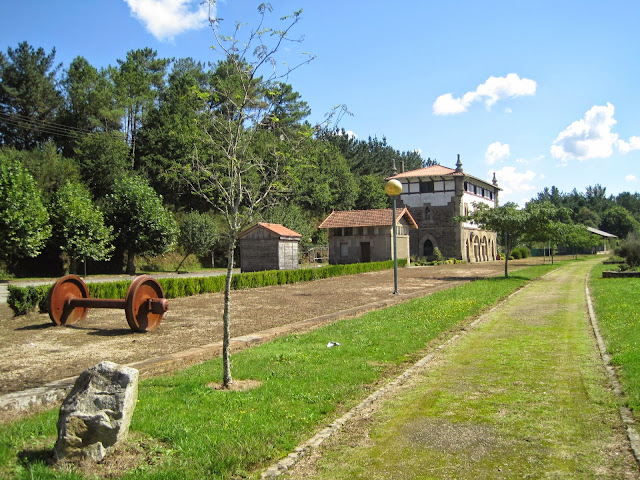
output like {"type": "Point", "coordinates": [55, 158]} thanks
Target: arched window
{"type": "Point", "coordinates": [428, 248]}
{"type": "Point", "coordinates": [427, 213]}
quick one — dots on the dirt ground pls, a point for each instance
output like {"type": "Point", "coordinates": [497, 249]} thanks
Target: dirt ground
{"type": "Point", "coordinates": [34, 351]}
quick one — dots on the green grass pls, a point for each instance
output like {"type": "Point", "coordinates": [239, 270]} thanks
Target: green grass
{"type": "Point", "coordinates": [206, 433]}
{"type": "Point", "coordinates": [617, 306]}
{"type": "Point", "coordinates": [523, 395]}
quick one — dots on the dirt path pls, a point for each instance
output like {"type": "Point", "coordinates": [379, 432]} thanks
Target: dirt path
{"type": "Point", "coordinates": [35, 352]}
{"type": "Point", "coordinates": [522, 395]}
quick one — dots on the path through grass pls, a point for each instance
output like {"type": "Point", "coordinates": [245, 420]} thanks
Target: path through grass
{"type": "Point", "coordinates": [523, 395]}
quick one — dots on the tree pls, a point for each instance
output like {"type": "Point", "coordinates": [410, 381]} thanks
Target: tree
{"type": "Point", "coordinates": [141, 224]}
{"type": "Point", "coordinates": [579, 238]}
{"type": "Point", "coordinates": [198, 235]}
{"type": "Point", "coordinates": [508, 220]}
{"type": "Point", "coordinates": [90, 102]}
{"type": "Point", "coordinates": [245, 166]}
{"type": "Point", "coordinates": [103, 159]}
{"type": "Point", "coordinates": [630, 250]}
{"type": "Point", "coordinates": [619, 221]}
{"type": "Point", "coordinates": [138, 81]}
{"type": "Point", "coordinates": [170, 134]}
{"type": "Point", "coordinates": [78, 225]}
{"type": "Point", "coordinates": [547, 223]}
{"type": "Point", "coordinates": [24, 222]}
{"type": "Point", "coordinates": [29, 98]}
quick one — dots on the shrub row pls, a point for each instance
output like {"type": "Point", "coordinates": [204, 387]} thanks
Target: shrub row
{"type": "Point", "coordinates": [23, 300]}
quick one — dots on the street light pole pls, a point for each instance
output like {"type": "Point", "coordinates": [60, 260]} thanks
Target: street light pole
{"type": "Point", "coordinates": [394, 188]}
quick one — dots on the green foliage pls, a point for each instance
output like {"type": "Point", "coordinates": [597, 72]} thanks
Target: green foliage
{"type": "Point", "coordinates": [28, 96]}
{"type": "Point", "coordinates": [103, 159]}
{"type": "Point", "coordinates": [438, 255]}
{"type": "Point", "coordinates": [198, 233]}
{"type": "Point", "coordinates": [521, 252]}
{"type": "Point", "coordinates": [619, 221]}
{"type": "Point", "coordinates": [630, 250]}
{"type": "Point", "coordinates": [618, 311]}
{"type": "Point", "coordinates": [24, 226]}
{"type": "Point", "coordinates": [22, 300]}
{"type": "Point", "coordinates": [141, 224]}
{"type": "Point", "coordinates": [78, 225]}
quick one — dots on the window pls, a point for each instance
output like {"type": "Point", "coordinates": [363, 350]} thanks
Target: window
{"type": "Point", "coordinates": [426, 187]}
{"type": "Point", "coordinates": [348, 231]}
{"type": "Point", "coordinates": [466, 209]}
{"type": "Point", "coordinates": [337, 232]}
{"type": "Point", "coordinates": [427, 213]}
{"type": "Point", "coordinates": [490, 195]}
{"type": "Point", "coordinates": [344, 249]}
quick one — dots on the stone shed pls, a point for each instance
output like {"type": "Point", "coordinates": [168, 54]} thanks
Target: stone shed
{"type": "Point", "coordinates": [268, 246]}
{"type": "Point", "coordinates": [359, 236]}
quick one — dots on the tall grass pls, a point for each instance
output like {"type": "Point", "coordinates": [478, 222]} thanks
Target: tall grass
{"type": "Point", "coordinates": [618, 310]}
{"type": "Point", "coordinates": [207, 433]}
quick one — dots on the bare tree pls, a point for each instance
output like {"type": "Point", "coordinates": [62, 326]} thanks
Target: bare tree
{"type": "Point", "coordinates": [242, 167]}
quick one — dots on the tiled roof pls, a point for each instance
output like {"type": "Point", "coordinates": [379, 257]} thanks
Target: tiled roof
{"type": "Point", "coordinates": [438, 171]}
{"type": "Point", "coordinates": [433, 170]}
{"type": "Point", "coordinates": [366, 218]}
{"type": "Point", "coordinates": [276, 228]}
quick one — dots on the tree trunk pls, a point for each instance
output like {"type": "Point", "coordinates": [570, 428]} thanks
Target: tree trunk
{"type": "Point", "coordinates": [131, 263]}
{"type": "Point", "coordinates": [227, 380]}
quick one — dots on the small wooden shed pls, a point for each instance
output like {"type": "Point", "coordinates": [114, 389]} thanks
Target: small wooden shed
{"type": "Point", "coordinates": [367, 235]}
{"type": "Point", "coordinates": [268, 246]}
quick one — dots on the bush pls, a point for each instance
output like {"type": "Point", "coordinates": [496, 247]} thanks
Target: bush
{"type": "Point", "coordinates": [438, 254]}
{"type": "Point", "coordinates": [630, 250]}
{"type": "Point", "coordinates": [23, 300]}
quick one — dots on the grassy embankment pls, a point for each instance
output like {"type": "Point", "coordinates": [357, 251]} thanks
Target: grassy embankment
{"type": "Point", "coordinates": [189, 430]}
{"type": "Point", "coordinates": [617, 305]}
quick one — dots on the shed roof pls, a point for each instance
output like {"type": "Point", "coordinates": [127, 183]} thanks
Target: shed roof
{"type": "Point", "coordinates": [601, 233]}
{"type": "Point", "coordinates": [366, 218]}
{"type": "Point", "coordinates": [280, 230]}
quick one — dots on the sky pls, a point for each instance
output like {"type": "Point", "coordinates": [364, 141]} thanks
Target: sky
{"type": "Point", "coordinates": [543, 93]}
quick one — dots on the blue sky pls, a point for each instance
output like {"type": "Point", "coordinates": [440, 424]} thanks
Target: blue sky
{"type": "Point", "coordinates": [541, 92]}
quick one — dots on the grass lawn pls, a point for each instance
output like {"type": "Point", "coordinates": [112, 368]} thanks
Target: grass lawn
{"type": "Point", "coordinates": [185, 429]}
{"type": "Point", "coordinates": [522, 395]}
{"type": "Point", "coordinates": [617, 306]}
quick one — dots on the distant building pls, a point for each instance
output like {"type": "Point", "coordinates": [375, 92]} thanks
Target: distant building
{"type": "Point", "coordinates": [367, 235]}
{"type": "Point", "coordinates": [435, 196]}
{"type": "Point", "coordinates": [268, 246]}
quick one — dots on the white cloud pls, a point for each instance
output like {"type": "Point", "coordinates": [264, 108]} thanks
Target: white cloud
{"type": "Point", "coordinates": [589, 137]}
{"type": "Point", "coordinates": [167, 18]}
{"type": "Point", "coordinates": [496, 151]}
{"type": "Point", "coordinates": [632, 144]}
{"type": "Point", "coordinates": [494, 89]}
{"type": "Point", "coordinates": [512, 181]}
{"type": "Point", "coordinates": [630, 178]}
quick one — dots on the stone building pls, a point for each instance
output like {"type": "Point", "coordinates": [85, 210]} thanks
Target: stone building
{"type": "Point", "coordinates": [268, 246]}
{"type": "Point", "coordinates": [435, 196]}
{"type": "Point", "coordinates": [358, 236]}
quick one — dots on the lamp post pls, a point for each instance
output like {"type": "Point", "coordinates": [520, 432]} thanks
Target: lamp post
{"type": "Point", "coordinates": [394, 188]}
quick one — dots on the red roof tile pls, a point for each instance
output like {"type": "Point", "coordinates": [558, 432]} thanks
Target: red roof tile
{"type": "Point", "coordinates": [276, 228]}
{"type": "Point", "coordinates": [366, 218]}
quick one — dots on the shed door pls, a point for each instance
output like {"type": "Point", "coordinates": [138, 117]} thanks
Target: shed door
{"type": "Point", "coordinates": [365, 252]}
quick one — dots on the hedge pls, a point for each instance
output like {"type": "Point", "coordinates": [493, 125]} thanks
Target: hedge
{"type": "Point", "coordinates": [23, 300]}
